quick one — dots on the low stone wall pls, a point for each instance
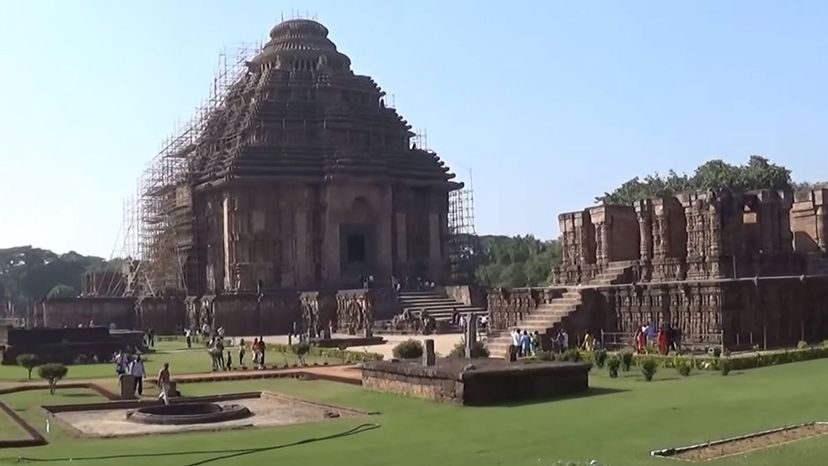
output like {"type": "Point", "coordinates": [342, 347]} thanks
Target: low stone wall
{"type": "Point", "coordinates": [490, 382]}
{"type": "Point", "coordinates": [71, 312]}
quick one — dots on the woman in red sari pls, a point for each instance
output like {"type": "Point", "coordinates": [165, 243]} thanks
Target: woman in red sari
{"type": "Point", "coordinates": [662, 342]}
{"type": "Point", "coordinates": [640, 342]}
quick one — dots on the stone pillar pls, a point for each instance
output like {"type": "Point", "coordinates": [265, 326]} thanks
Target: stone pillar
{"type": "Point", "coordinates": [428, 352]}
{"type": "Point", "coordinates": [471, 334]}
{"type": "Point", "coordinates": [435, 253]}
{"type": "Point", "coordinates": [126, 384]}
{"type": "Point", "coordinates": [402, 239]}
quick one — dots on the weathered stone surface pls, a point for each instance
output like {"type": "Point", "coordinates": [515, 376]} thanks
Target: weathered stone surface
{"type": "Point", "coordinates": [489, 382]}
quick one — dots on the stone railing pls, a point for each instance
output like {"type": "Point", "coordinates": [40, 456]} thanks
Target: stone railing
{"type": "Point", "coordinates": [508, 306]}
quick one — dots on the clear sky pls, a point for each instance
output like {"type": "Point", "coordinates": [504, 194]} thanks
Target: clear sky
{"type": "Point", "coordinates": [548, 103]}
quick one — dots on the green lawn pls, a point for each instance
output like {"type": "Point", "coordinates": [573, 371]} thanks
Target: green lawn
{"type": "Point", "coordinates": [618, 424]}
{"type": "Point", "coordinates": [181, 359]}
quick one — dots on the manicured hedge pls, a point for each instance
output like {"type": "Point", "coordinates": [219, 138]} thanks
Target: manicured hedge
{"type": "Point", "coordinates": [736, 363]}
{"type": "Point", "coordinates": [331, 353]}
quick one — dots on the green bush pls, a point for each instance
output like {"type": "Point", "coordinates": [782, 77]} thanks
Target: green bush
{"type": "Point", "coordinates": [612, 364]}
{"type": "Point", "coordinates": [726, 366]}
{"type": "Point", "coordinates": [52, 372]}
{"type": "Point", "coordinates": [626, 361]}
{"type": "Point", "coordinates": [649, 366]}
{"type": "Point", "coordinates": [571, 355]}
{"type": "Point", "coordinates": [599, 357]}
{"type": "Point", "coordinates": [545, 356]}
{"type": "Point", "coordinates": [329, 353]}
{"type": "Point", "coordinates": [408, 349]}
{"type": "Point", "coordinates": [28, 361]}
{"type": "Point", "coordinates": [683, 366]}
{"type": "Point", "coordinates": [801, 344]}
{"type": "Point", "coordinates": [479, 350]}
{"type": "Point", "coordinates": [300, 350]}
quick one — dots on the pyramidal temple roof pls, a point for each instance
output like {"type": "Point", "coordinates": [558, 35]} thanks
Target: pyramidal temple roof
{"type": "Point", "coordinates": [300, 114]}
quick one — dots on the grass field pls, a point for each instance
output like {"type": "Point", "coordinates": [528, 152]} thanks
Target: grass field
{"type": "Point", "coordinates": [618, 423]}
{"type": "Point", "coordinates": [181, 359]}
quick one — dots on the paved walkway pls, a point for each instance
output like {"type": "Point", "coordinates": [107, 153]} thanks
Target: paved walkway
{"type": "Point", "coordinates": [443, 344]}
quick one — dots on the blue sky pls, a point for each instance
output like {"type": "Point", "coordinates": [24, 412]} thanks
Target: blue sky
{"type": "Point", "coordinates": [549, 103]}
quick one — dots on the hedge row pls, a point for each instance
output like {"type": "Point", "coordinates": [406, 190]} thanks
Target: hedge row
{"type": "Point", "coordinates": [330, 353]}
{"type": "Point", "coordinates": [737, 363]}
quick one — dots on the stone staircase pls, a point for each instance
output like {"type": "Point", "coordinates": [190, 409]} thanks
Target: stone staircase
{"type": "Point", "coordinates": [436, 303]}
{"type": "Point", "coordinates": [545, 319]}
{"type": "Point", "coordinates": [614, 274]}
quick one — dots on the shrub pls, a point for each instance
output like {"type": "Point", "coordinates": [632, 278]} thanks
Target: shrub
{"type": "Point", "coordinates": [408, 349]}
{"type": "Point", "coordinates": [545, 356]}
{"type": "Point", "coordinates": [824, 343]}
{"type": "Point", "coordinates": [599, 357]}
{"type": "Point", "coordinates": [802, 344]}
{"type": "Point", "coordinates": [301, 349]}
{"type": "Point", "coordinates": [683, 366]}
{"type": "Point", "coordinates": [649, 366]}
{"type": "Point", "coordinates": [571, 355]}
{"type": "Point", "coordinates": [626, 361]}
{"type": "Point", "coordinates": [612, 364]}
{"type": "Point", "coordinates": [479, 350]}
{"type": "Point", "coordinates": [726, 366]}
{"type": "Point", "coordinates": [52, 372]}
{"type": "Point", "coordinates": [28, 361]}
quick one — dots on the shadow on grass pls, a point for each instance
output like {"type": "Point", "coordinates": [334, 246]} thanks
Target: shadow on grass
{"type": "Point", "coordinates": [220, 454]}
{"type": "Point", "coordinates": [593, 391]}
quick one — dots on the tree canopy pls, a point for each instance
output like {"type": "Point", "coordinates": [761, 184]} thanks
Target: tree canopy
{"type": "Point", "coordinates": [516, 261]}
{"type": "Point", "coordinates": [28, 273]}
{"type": "Point", "coordinates": [757, 173]}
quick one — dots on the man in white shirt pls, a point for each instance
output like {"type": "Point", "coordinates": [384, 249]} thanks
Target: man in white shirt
{"type": "Point", "coordinates": [516, 339]}
{"type": "Point", "coordinates": [137, 370]}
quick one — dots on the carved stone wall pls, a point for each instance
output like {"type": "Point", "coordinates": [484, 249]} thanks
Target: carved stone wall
{"type": "Point", "coordinates": [166, 316]}
{"type": "Point", "coordinates": [809, 221]}
{"type": "Point", "coordinates": [71, 312]}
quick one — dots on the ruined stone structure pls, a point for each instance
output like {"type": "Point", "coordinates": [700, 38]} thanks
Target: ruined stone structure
{"type": "Point", "coordinates": [304, 179]}
{"type": "Point", "coordinates": [725, 268]}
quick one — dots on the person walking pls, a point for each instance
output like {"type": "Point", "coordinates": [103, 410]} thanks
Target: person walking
{"type": "Point", "coordinates": [261, 353]}
{"type": "Point", "coordinates": [137, 370]}
{"type": "Point", "coordinates": [589, 341]}
{"type": "Point", "coordinates": [564, 340]}
{"type": "Point", "coordinates": [525, 344]}
{"type": "Point", "coordinates": [242, 350]}
{"type": "Point", "coordinates": [188, 335]}
{"type": "Point", "coordinates": [516, 340]}
{"type": "Point", "coordinates": [164, 383]}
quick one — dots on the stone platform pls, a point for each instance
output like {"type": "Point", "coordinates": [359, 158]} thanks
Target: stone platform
{"type": "Point", "coordinates": [477, 382]}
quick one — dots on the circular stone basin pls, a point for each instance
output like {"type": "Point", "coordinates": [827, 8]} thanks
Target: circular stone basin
{"type": "Point", "coordinates": [188, 413]}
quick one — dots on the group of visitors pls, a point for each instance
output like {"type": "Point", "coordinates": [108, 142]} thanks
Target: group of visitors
{"type": "Point", "coordinates": [259, 351]}
{"type": "Point", "coordinates": [666, 338]}
{"type": "Point", "coordinates": [127, 364]}
{"type": "Point", "coordinates": [149, 337]}
{"type": "Point", "coordinates": [527, 344]}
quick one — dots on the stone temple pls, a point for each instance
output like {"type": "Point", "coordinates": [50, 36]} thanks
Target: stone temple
{"type": "Point", "coordinates": [292, 183]}
{"type": "Point", "coordinates": [726, 268]}
{"type": "Point", "coordinates": [304, 179]}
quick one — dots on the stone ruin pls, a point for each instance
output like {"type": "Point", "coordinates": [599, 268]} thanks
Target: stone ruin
{"type": "Point", "coordinates": [726, 268]}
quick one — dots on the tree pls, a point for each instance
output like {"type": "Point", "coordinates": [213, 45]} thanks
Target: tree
{"type": "Point", "coordinates": [52, 372]}
{"type": "Point", "coordinates": [62, 291]}
{"type": "Point", "coordinates": [28, 361]}
{"type": "Point", "coordinates": [758, 173]}
{"type": "Point", "coordinates": [516, 261]}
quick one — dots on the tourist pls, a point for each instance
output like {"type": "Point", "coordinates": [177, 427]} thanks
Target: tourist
{"type": "Point", "coordinates": [205, 332]}
{"type": "Point", "coordinates": [220, 353]}
{"type": "Point", "coordinates": [261, 353]}
{"type": "Point", "coordinates": [120, 363]}
{"type": "Point", "coordinates": [564, 340]}
{"type": "Point", "coordinates": [164, 383]}
{"type": "Point", "coordinates": [661, 339]}
{"type": "Point", "coordinates": [589, 341]}
{"type": "Point", "coordinates": [255, 348]}
{"type": "Point", "coordinates": [677, 340]}
{"type": "Point", "coordinates": [136, 369]}
{"type": "Point", "coordinates": [241, 354]}
{"type": "Point", "coordinates": [188, 335]}
{"type": "Point", "coordinates": [536, 343]}
{"type": "Point", "coordinates": [229, 364]}
{"type": "Point", "coordinates": [516, 339]}
{"type": "Point", "coordinates": [525, 344]}
{"type": "Point", "coordinates": [151, 335]}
